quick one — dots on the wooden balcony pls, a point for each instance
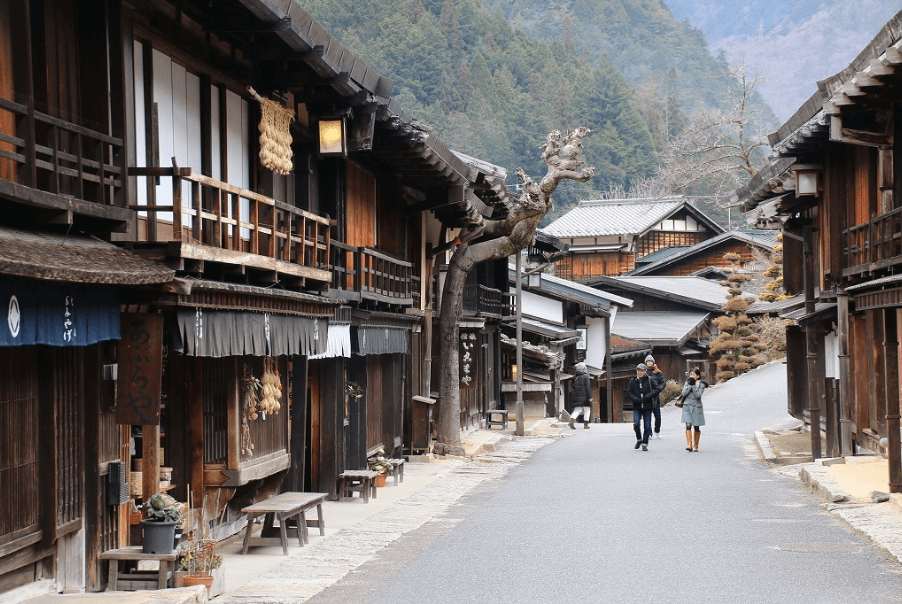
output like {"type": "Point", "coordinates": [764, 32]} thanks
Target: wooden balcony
{"type": "Point", "coordinates": [873, 246]}
{"type": "Point", "coordinates": [209, 221]}
{"type": "Point", "coordinates": [64, 169]}
{"type": "Point", "coordinates": [360, 273]}
{"type": "Point", "coordinates": [482, 301]}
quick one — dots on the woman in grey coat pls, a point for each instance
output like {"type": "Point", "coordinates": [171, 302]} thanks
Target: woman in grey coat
{"type": "Point", "coordinates": [693, 413]}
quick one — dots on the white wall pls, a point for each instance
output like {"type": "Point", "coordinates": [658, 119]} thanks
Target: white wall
{"type": "Point", "coordinates": [540, 307]}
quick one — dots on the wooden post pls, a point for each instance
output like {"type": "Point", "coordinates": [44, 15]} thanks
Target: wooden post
{"type": "Point", "coordinates": [814, 383]}
{"type": "Point", "coordinates": [891, 361]}
{"type": "Point", "coordinates": [845, 375]}
{"type": "Point", "coordinates": [150, 460]}
{"type": "Point", "coordinates": [609, 371]}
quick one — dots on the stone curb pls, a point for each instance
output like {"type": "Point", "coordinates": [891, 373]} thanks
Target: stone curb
{"type": "Point", "coordinates": [766, 450]}
{"type": "Point", "coordinates": [816, 477]}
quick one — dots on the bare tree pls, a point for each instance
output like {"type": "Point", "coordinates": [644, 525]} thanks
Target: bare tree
{"type": "Point", "coordinates": [486, 240]}
{"type": "Point", "coordinates": [718, 149]}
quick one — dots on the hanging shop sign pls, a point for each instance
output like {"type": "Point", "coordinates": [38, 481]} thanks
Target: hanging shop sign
{"type": "Point", "coordinates": [140, 369]}
{"type": "Point", "coordinates": [53, 313]}
{"type": "Point", "coordinates": [467, 359]}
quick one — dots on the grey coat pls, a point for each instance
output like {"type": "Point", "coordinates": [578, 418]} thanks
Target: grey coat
{"type": "Point", "coordinates": [693, 413]}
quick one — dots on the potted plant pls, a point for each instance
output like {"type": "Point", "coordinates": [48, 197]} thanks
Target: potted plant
{"type": "Point", "coordinates": [380, 463]}
{"type": "Point", "coordinates": [162, 514]}
{"type": "Point", "coordinates": [199, 564]}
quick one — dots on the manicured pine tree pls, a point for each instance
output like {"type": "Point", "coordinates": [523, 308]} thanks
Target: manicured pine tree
{"type": "Point", "coordinates": [738, 344]}
{"type": "Point", "coordinates": [774, 288]}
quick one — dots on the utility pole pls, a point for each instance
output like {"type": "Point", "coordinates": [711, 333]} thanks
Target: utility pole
{"type": "Point", "coordinates": [521, 428]}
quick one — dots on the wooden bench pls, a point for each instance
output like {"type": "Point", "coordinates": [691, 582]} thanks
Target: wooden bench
{"type": "Point", "coordinates": [135, 579]}
{"type": "Point", "coordinates": [284, 507]}
{"type": "Point", "coordinates": [491, 421]}
{"type": "Point", "coordinates": [397, 470]}
{"type": "Point", "coordinates": [359, 481]}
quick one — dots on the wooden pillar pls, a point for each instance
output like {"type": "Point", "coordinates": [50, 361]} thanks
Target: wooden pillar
{"type": "Point", "coordinates": [815, 382]}
{"type": "Point", "coordinates": [609, 372]}
{"type": "Point", "coordinates": [891, 373]}
{"type": "Point", "coordinates": [845, 375]}
{"type": "Point", "coordinates": [195, 428]}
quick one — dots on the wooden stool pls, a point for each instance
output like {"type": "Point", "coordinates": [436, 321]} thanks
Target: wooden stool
{"type": "Point", "coordinates": [134, 579]}
{"type": "Point", "coordinates": [360, 481]}
{"type": "Point", "coordinates": [397, 471]}
{"type": "Point", "coordinates": [491, 421]}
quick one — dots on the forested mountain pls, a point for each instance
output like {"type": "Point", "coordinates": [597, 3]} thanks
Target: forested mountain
{"type": "Point", "coordinates": [493, 89]}
{"type": "Point", "coordinates": [794, 44]}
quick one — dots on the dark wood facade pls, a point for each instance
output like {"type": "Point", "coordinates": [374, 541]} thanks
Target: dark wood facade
{"type": "Point", "coordinates": [133, 122]}
{"type": "Point", "coordinates": [845, 348]}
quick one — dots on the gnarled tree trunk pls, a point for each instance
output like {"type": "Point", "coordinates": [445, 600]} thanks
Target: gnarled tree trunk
{"type": "Point", "coordinates": [493, 240]}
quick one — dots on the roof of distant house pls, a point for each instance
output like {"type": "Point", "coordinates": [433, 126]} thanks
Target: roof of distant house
{"type": "Point", "coordinates": [693, 291]}
{"type": "Point", "coordinates": [602, 217]}
{"type": "Point", "coordinates": [759, 237]}
{"type": "Point", "coordinates": [659, 328]}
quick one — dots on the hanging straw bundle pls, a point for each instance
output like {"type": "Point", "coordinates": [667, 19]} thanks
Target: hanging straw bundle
{"type": "Point", "coordinates": [275, 137]}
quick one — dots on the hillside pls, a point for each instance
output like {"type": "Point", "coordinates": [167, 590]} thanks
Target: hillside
{"type": "Point", "coordinates": [493, 89]}
{"type": "Point", "coordinates": [794, 44]}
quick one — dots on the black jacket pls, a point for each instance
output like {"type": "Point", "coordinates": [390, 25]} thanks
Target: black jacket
{"type": "Point", "coordinates": [581, 392]}
{"type": "Point", "coordinates": [641, 392]}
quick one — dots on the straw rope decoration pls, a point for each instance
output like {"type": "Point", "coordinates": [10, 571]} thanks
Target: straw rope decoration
{"type": "Point", "coordinates": [275, 137]}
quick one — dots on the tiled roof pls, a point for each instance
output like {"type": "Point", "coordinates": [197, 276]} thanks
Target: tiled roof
{"type": "Point", "coordinates": [662, 254]}
{"type": "Point", "coordinates": [690, 288]}
{"type": "Point", "coordinates": [612, 217]}
{"type": "Point", "coordinates": [658, 328]}
{"type": "Point", "coordinates": [573, 291]}
{"type": "Point", "coordinates": [760, 237]}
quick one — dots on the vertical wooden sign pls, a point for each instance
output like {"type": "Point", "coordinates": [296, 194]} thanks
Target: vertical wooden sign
{"type": "Point", "coordinates": [140, 369]}
{"type": "Point", "coordinates": [467, 359]}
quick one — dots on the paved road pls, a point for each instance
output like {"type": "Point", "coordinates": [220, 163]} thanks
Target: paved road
{"type": "Point", "coordinates": [590, 519]}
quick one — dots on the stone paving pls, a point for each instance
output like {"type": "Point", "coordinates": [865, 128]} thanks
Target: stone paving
{"type": "Point", "coordinates": [325, 561]}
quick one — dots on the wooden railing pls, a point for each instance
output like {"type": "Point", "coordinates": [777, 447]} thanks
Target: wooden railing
{"type": "Point", "coordinates": [52, 155]}
{"type": "Point", "coordinates": [874, 245]}
{"type": "Point", "coordinates": [371, 274]}
{"type": "Point", "coordinates": [227, 217]}
{"type": "Point", "coordinates": [482, 301]}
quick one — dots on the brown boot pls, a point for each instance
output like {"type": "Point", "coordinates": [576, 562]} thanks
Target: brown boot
{"type": "Point", "coordinates": [689, 440]}
{"type": "Point", "coordinates": [698, 435]}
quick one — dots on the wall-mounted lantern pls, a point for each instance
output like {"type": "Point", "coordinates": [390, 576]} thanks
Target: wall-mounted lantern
{"type": "Point", "coordinates": [808, 179]}
{"type": "Point", "coordinates": [333, 137]}
{"type": "Point", "coordinates": [534, 279]}
{"type": "Point", "coordinates": [514, 370]}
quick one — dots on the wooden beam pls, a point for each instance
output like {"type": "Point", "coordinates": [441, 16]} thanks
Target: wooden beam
{"type": "Point", "coordinates": [893, 56]}
{"type": "Point", "coordinates": [866, 139]}
{"type": "Point", "coordinates": [878, 68]}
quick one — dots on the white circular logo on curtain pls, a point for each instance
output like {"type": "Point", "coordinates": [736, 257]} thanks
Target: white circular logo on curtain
{"type": "Point", "coordinates": [14, 317]}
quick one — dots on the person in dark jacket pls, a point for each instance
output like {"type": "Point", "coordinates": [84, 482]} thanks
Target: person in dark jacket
{"type": "Point", "coordinates": [640, 392]}
{"type": "Point", "coordinates": [581, 396]}
{"type": "Point", "coordinates": [658, 382]}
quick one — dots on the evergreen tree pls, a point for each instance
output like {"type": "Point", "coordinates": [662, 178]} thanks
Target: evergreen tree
{"type": "Point", "coordinates": [737, 344]}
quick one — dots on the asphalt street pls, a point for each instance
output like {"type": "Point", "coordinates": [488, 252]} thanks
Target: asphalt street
{"type": "Point", "coordinates": [589, 518]}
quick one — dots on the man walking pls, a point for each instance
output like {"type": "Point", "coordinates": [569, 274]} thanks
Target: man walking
{"type": "Point", "coordinates": [640, 392]}
{"type": "Point", "coordinates": [581, 396]}
{"type": "Point", "coordinates": [658, 383]}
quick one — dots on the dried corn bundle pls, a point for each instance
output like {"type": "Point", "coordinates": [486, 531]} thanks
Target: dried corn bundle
{"type": "Point", "coordinates": [275, 136]}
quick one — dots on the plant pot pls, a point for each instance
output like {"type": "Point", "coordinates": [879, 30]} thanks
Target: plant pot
{"type": "Point", "coordinates": [217, 587]}
{"type": "Point", "coordinates": [205, 580]}
{"type": "Point", "coordinates": [380, 480]}
{"type": "Point", "coordinates": [158, 537]}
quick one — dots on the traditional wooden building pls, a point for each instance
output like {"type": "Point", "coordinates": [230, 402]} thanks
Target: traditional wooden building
{"type": "Point", "coordinates": [564, 323]}
{"type": "Point", "coordinates": [671, 315]}
{"type": "Point", "coordinates": [611, 237]}
{"type": "Point", "coordinates": [247, 205]}
{"type": "Point", "coordinates": [754, 247]}
{"type": "Point", "coordinates": [833, 186]}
